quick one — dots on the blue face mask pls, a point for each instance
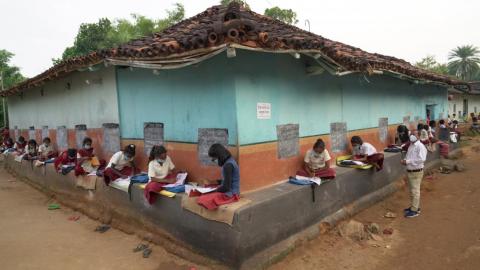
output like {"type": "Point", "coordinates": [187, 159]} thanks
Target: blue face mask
{"type": "Point", "coordinates": [161, 161]}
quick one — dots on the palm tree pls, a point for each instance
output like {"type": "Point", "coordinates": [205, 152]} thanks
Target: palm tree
{"type": "Point", "coordinates": [464, 62]}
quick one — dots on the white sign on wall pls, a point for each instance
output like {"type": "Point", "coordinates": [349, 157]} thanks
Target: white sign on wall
{"type": "Point", "coordinates": [264, 110]}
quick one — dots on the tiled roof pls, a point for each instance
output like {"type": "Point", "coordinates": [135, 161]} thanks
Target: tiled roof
{"type": "Point", "coordinates": [220, 26]}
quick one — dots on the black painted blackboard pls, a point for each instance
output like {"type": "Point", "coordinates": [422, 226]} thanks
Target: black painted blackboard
{"type": "Point", "coordinates": [207, 137]}
{"type": "Point", "coordinates": [16, 133]}
{"type": "Point", "coordinates": [62, 138]}
{"type": "Point", "coordinates": [152, 135]}
{"type": "Point", "coordinates": [383, 129]}
{"type": "Point", "coordinates": [338, 137]}
{"type": "Point", "coordinates": [111, 138]}
{"type": "Point", "coordinates": [80, 134]}
{"type": "Point", "coordinates": [45, 132]}
{"type": "Point", "coordinates": [288, 140]}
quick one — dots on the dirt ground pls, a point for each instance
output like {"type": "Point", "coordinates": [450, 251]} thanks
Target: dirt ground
{"type": "Point", "coordinates": [32, 237]}
{"type": "Point", "coordinates": [445, 236]}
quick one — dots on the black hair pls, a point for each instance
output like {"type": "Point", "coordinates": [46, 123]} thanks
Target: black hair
{"type": "Point", "coordinates": [21, 139]}
{"type": "Point", "coordinates": [130, 149]}
{"type": "Point", "coordinates": [441, 122]}
{"type": "Point", "coordinates": [402, 129]}
{"type": "Point", "coordinates": [319, 143]}
{"type": "Point", "coordinates": [432, 123]}
{"type": "Point", "coordinates": [46, 139]}
{"type": "Point", "coordinates": [420, 126]}
{"type": "Point", "coordinates": [218, 151]}
{"type": "Point", "coordinates": [455, 122]}
{"type": "Point", "coordinates": [72, 152]}
{"type": "Point", "coordinates": [425, 127]}
{"type": "Point", "coordinates": [87, 140]}
{"type": "Point", "coordinates": [356, 140]}
{"type": "Point", "coordinates": [156, 151]}
{"type": "Point", "coordinates": [32, 141]}
{"type": "Point", "coordinates": [10, 140]}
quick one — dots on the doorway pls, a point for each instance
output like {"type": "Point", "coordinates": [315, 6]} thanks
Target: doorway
{"type": "Point", "coordinates": [430, 111]}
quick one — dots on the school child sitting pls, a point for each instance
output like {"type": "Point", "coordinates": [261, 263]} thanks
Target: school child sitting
{"type": "Point", "coordinates": [121, 165]}
{"type": "Point", "coordinates": [46, 150]}
{"type": "Point", "coordinates": [365, 152]}
{"type": "Point", "coordinates": [7, 145]}
{"type": "Point", "coordinates": [87, 162]}
{"type": "Point", "coordinates": [66, 161]}
{"type": "Point", "coordinates": [317, 162]}
{"type": "Point", "coordinates": [229, 189]}
{"type": "Point", "coordinates": [31, 151]}
{"type": "Point", "coordinates": [19, 146]}
{"type": "Point", "coordinates": [160, 171]}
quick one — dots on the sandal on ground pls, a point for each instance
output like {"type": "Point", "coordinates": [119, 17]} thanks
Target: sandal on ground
{"type": "Point", "coordinates": [147, 252]}
{"type": "Point", "coordinates": [140, 247]}
{"type": "Point", "coordinates": [102, 228]}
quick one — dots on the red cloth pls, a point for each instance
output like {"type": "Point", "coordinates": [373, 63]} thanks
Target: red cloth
{"type": "Point", "coordinates": [109, 175]}
{"type": "Point", "coordinates": [63, 159]}
{"type": "Point", "coordinates": [153, 187]}
{"type": "Point", "coordinates": [213, 200]}
{"type": "Point", "coordinates": [323, 174]}
{"type": "Point", "coordinates": [83, 153]}
{"type": "Point", "coordinates": [21, 146]}
{"type": "Point", "coordinates": [376, 159]}
{"type": "Point", "coordinates": [444, 149]}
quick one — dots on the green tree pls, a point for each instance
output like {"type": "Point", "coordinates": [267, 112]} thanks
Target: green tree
{"type": "Point", "coordinates": [243, 3]}
{"type": "Point", "coordinates": [430, 63]}
{"type": "Point", "coordinates": [106, 34]}
{"type": "Point", "coordinates": [464, 62]}
{"type": "Point", "coordinates": [10, 76]}
{"type": "Point", "coordinates": [285, 15]}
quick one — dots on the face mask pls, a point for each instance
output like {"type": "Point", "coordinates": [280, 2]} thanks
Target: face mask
{"type": "Point", "coordinates": [88, 146]}
{"type": "Point", "coordinates": [46, 144]}
{"type": "Point", "coordinates": [126, 157]}
{"type": "Point", "coordinates": [161, 161]}
{"type": "Point", "coordinates": [413, 138]}
{"type": "Point", "coordinates": [316, 155]}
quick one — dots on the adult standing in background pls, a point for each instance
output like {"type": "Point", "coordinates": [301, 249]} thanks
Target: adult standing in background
{"type": "Point", "coordinates": [415, 162]}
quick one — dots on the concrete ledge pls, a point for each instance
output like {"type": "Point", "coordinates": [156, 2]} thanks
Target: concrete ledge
{"type": "Point", "coordinates": [277, 217]}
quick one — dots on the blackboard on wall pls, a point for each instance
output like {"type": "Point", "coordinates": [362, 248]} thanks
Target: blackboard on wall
{"type": "Point", "coordinates": [45, 132]}
{"type": "Point", "coordinates": [62, 138]}
{"type": "Point", "coordinates": [152, 135]}
{"type": "Point", "coordinates": [383, 129]}
{"type": "Point", "coordinates": [16, 133]}
{"type": "Point", "coordinates": [207, 137]}
{"type": "Point", "coordinates": [338, 137]}
{"type": "Point", "coordinates": [31, 133]}
{"type": "Point", "coordinates": [288, 140]}
{"type": "Point", "coordinates": [80, 134]}
{"type": "Point", "coordinates": [111, 138]}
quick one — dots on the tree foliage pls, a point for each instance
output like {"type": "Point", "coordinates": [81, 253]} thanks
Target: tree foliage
{"type": "Point", "coordinates": [285, 15]}
{"type": "Point", "coordinates": [241, 2]}
{"type": "Point", "coordinates": [10, 74]}
{"type": "Point", "coordinates": [464, 62]}
{"type": "Point", "coordinates": [430, 63]}
{"type": "Point", "coordinates": [106, 34]}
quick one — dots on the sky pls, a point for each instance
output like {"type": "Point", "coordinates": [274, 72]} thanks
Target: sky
{"type": "Point", "coordinates": [37, 31]}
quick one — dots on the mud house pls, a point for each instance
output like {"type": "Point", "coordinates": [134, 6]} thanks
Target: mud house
{"type": "Point", "coordinates": [460, 102]}
{"type": "Point", "coordinates": [266, 89]}
{"type": "Point", "coordinates": [236, 76]}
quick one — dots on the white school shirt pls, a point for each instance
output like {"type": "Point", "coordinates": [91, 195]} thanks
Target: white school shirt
{"type": "Point", "coordinates": [119, 160]}
{"type": "Point", "coordinates": [367, 149]}
{"type": "Point", "coordinates": [160, 171]}
{"type": "Point", "coordinates": [44, 150]}
{"type": "Point", "coordinates": [316, 161]}
{"type": "Point", "coordinates": [416, 156]}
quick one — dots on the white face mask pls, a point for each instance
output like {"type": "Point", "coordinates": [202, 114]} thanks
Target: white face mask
{"type": "Point", "coordinates": [88, 146]}
{"type": "Point", "coordinates": [413, 138]}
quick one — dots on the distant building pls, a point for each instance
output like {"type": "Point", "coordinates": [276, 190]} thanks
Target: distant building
{"type": "Point", "coordinates": [460, 102]}
{"type": "Point", "coordinates": [230, 72]}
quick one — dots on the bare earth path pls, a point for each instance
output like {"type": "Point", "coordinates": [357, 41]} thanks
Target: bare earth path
{"type": "Point", "coordinates": [445, 236]}
{"type": "Point", "coordinates": [32, 237]}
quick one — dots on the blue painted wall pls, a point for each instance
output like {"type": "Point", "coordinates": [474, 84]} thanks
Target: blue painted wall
{"type": "Point", "coordinates": [201, 96]}
{"type": "Point", "coordinates": [316, 101]}
{"type": "Point", "coordinates": [223, 92]}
